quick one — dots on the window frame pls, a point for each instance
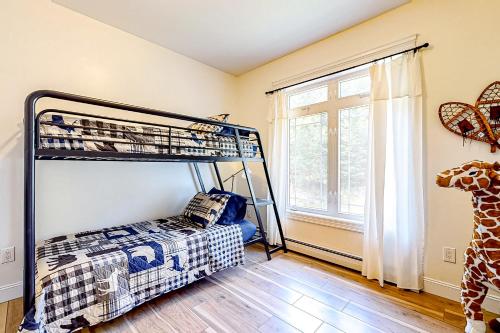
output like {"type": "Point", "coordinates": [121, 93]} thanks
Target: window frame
{"type": "Point", "coordinates": [333, 106]}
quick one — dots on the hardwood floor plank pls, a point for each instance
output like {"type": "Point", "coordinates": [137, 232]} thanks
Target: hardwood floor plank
{"type": "Point", "coordinates": [427, 321]}
{"type": "Point", "coordinates": [418, 320]}
{"type": "Point", "coordinates": [283, 264]}
{"type": "Point", "coordinates": [3, 316]}
{"type": "Point", "coordinates": [354, 280]}
{"type": "Point", "coordinates": [424, 302]}
{"type": "Point", "coordinates": [324, 297]}
{"type": "Point", "coordinates": [209, 313]}
{"type": "Point", "coordinates": [226, 311]}
{"type": "Point", "coordinates": [256, 253]}
{"type": "Point", "coordinates": [277, 325]}
{"type": "Point", "coordinates": [456, 319]}
{"type": "Point", "coordinates": [379, 320]}
{"type": "Point", "coordinates": [117, 325]}
{"type": "Point", "coordinates": [224, 316]}
{"type": "Point", "coordinates": [210, 330]}
{"type": "Point", "coordinates": [269, 286]}
{"type": "Point", "coordinates": [325, 328]}
{"type": "Point", "coordinates": [336, 318]}
{"type": "Point", "coordinates": [14, 315]}
{"type": "Point", "coordinates": [194, 293]}
{"type": "Point", "coordinates": [143, 320]}
{"type": "Point", "coordinates": [367, 297]}
{"type": "Point", "coordinates": [219, 293]}
{"type": "Point", "coordinates": [388, 292]}
{"type": "Point", "coordinates": [287, 312]}
{"type": "Point", "coordinates": [178, 315]}
{"type": "Point", "coordinates": [332, 300]}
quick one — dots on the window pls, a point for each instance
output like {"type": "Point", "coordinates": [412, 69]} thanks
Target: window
{"type": "Point", "coordinates": [354, 86]}
{"type": "Point", "coordinates": [328, 146]}
{"type": "Point", "coordinates": [309, 151]}
{"type": "Point", "coordinates": [308, 97]}
{"type": "Point", "coordinates": [353, 156]}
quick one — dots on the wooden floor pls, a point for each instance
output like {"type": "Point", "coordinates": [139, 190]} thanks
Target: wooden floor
{"type": "Point", "coordinates": [291, 293]}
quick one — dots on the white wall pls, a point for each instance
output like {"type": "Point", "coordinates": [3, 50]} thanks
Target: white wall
{"type": "Point", "coordinates": [463, 60]}
{"type": "Point", "coordinates": [46, 46]}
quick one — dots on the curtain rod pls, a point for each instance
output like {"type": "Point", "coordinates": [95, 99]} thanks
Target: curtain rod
{"type": "Point", "coordinates": [414, 49]}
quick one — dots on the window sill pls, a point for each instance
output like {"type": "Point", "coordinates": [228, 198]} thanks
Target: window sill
{"type": "Point", "coordinates": [333, 222]}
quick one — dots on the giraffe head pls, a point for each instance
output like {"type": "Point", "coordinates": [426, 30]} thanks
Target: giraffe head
{"type": "Point", "coordinates": [471, 176]}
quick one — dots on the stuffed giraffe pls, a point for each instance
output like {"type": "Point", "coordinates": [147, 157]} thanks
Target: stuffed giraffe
{"type": "Point", "coordinates": [482, 257]}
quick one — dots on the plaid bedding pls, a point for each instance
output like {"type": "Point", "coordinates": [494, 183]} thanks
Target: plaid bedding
{"type": "Point", "coordinates": [90, 277]}
{"type": "Point", "coordinates": [70, 133]}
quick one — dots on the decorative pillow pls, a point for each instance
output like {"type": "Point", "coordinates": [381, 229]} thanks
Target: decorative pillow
{"type": "Point", "coordinates": [209, 127]}
{"type": "Point", "coordinates": [236, 208]}
{"type": "Point", "coordinates": [206, 209]}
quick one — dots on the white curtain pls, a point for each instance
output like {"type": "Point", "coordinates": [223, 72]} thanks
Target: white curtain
{"type": "Point", "coordinates": [394, 211]}
{"type": "Point", "coordinates": [278, 160]}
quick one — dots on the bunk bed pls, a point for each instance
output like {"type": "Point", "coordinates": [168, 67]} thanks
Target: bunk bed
{"type": "Point", "coordinates": [78, 280]}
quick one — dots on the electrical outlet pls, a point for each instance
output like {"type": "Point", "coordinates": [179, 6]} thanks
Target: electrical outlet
{"type": "Point", "coordinates": [449, 254]}
{"type": "Point", "coordinates": [7, 255]}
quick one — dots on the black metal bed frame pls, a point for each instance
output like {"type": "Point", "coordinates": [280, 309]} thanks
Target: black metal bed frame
{"type": "Point", "coordinates": [33, 150]}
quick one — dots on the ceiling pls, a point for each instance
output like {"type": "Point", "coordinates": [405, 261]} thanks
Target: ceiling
{"type": "Point", "coordinates": [234, 36]}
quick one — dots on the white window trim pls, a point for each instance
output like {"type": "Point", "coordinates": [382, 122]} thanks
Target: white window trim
{"type": "Point", "coordinates": [328, 221]}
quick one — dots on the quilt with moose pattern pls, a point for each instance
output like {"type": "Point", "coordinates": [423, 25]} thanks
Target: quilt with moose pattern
{"type": "Point", "coordinates": [91, 277]}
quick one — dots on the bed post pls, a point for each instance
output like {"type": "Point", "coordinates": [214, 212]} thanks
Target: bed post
{"type": "Point", "coordinates": [219, 179]}
{"type": "Point", "coordinates": [29, 200]}
{"type": "Point", "coordinates": [200, 178]}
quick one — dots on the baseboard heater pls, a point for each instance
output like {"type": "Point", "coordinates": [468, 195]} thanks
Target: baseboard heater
{"type": "Point", "coordinates": [343, 254]}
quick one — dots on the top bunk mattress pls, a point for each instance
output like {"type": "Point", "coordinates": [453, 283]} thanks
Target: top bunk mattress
{"type": "Point", "coordinates": [62, 132]}
{"type": "Point", "coordinates": [90, 277]}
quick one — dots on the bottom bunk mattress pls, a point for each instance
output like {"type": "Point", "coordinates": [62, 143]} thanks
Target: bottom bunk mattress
{"type": "Point", "coordinates": [90, 277]}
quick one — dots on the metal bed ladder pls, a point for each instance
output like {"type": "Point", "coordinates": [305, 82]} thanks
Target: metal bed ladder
{"type": "Point", "coordinates": [253, 200]}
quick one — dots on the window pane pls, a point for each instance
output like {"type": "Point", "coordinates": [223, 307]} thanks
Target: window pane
{"type": "Point", "coordinates": [353, 159]}
{"type": "Point", "coordinates": [309, 161]}
{"type": "Point", "coordinates": [309, 97]}
{"type": "Point", "coordinates": [356, 86]}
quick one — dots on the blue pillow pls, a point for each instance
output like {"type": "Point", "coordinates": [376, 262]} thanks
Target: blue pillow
{"type": "Point", "coordinates": [230, 131]}
{"type": "Point", "coordinates": [235, 210]}
{"type": "Point", "coordinates": [248, 229]}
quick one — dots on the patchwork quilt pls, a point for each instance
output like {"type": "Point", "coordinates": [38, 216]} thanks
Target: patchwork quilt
{"type": "Point", "coordinates": [91, 277]}
{"type": "Point", "coordinates": [71, 133]}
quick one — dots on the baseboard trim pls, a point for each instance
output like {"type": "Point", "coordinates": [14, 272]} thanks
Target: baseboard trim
{"type": "Point", "coordinates": [324, 249]}
{"type": "Point", "coordinates": [451, 291]}
{"type": "Point", "coordinates": [11, 291]}
{"type": "Point", "coordinates": [333, 256]}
